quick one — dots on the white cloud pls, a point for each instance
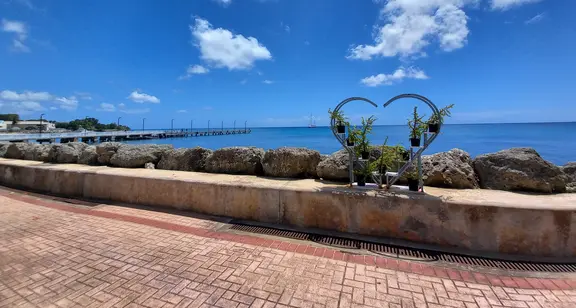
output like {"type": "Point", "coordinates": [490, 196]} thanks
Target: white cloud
{"type": "Point", "coordinates": [222, 48]}
{"type": "Point", "coordinates": [244, 81]}
{"type": "Point", "coordinates": [121, 105]}
{"type": "Point", "coordinates": [182, 111]}
{"type": "Point", "coordinates": [21, 107]}
{"type": "Point", "coordinates": [507, 4]}
{"type": "Point", "coordinates": [107, 107]}
{"type": "Point", "coordinates": [195, 69]}
{"type": "Point", "coordinates": [18, 28]}
{"type": "Point", "coordinates": [67, 103]}
{"type": "Point", "coordinates": [535, 19]}
{"type": "Point", "coordinates": [53, 108]}
{"type": "Point", "coordinates": [396, 77]}
{"type": "Point", "coordinates": [268, 81]}
{"type": "Point", "coordinates": [25, 96]}
{"type": "Point", "coordinates": [140, 97]}
{"type": "Point", "coordinates": [224, 3]}
{"type": "Point", "coordinates": [84, 95]}
{"type": "Point", "coordinates": [412, 25]}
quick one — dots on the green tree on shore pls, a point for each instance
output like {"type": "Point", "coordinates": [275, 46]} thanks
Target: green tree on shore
{"type": "Point", "coordinates": [90, 124]}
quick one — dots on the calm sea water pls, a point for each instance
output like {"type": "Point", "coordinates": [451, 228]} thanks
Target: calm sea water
{"type": "Point", "coordinates": [555, 142]}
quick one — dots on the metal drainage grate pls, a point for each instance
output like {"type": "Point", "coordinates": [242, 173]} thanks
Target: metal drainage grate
{"type": "Point", "coordinates": [410, 253]}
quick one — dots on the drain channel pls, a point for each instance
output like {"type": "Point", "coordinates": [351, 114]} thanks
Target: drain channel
{"type": "Point", "coordinates": [410, 253]}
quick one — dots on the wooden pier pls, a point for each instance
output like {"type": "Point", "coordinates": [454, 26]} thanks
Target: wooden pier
{"type": "Point", "coordinates": [95, 137]}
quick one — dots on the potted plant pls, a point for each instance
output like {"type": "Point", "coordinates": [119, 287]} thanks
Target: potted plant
{"type": "Point", "coordinates": [417, 128]}
{"type": "Point", "coordinates": [437, 119]}
{"type": "Point", "coordinates": [364, 173]}
{"type": "Point", "coordinates": [353, 135]}
{"type": "Point", "coordinates": [339, 119]}
{"type": "Point", "coordinates": [363, 142]}
{"type": "Point", "coordinates": [412, 177]}
{"type": "Point", "coordinates": [381, 164]}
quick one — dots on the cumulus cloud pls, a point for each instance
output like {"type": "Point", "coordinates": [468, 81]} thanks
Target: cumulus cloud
{"type": "Point", "coordinates": [21, 107]}
{"type": "Point", "coordinates": [195, 70]}
{"type": "Point", "coordinates": [140, 97]}
{"type": "Point", "coordinates": [107, 107]}
{"type": "Point", "coordinates": [20, 30]}
{"type": "Point", "coordinates": [221, 48]}
{"type": "Point", "coordinates": [25, 96]}
{"type": "Point", "coordinates": [507, 4]}
{"type": "Point", "coordinates": [396, 77]}
{"type": "Point", "coordinates": [268, 81]}
{"type": "Point", "coordinates": [67, 103]}
{"type": "Point", "coordinates": [411, 25]}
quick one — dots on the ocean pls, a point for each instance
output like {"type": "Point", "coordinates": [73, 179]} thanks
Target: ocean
{"type": "Point", "coordinates": [555, 142]}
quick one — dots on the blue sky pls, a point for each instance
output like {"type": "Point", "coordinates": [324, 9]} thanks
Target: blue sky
{"type": "Point", "coordinates": [275, 62]}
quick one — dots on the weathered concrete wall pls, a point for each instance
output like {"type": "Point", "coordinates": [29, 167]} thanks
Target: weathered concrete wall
{"type": "Point", "coordinates": [308, 203]}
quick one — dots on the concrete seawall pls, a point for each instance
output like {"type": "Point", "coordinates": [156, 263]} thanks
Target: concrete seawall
{"type": "Point", "coordinates": [542, 226]}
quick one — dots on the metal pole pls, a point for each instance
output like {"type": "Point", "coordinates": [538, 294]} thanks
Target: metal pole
{"type": "Point", "coordinates": [172, 126]}
{"type": "Point", "coordinates": [191, 125]}
{"type": "Point", "coordinates": [245, 126]}
{"type": "Point", "coordinates": [208, 125]}
{"type": "Point", "coordinates": [119, 121]}
{"type": "Point", "coordinates": [143, 119]}
{"type": "Point", "coordinates": [222, 126]}
{"type": "Point", "coordinates": [41, 122]}
{"type": "Point", "coordinates": [234, 124]}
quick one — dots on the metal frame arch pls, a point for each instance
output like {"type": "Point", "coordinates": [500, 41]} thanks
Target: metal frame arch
{"type": "Point", "coordinates": [344, 102]}
{"type": "Point", "coordinates": [421, 98]}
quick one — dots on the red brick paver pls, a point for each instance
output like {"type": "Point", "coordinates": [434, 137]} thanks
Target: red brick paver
{"type": "Point", "coordinates": [57, 255]}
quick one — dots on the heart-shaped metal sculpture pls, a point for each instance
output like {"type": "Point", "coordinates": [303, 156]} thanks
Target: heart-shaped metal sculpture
{"type": "Point", "coordinates": [391, 177]}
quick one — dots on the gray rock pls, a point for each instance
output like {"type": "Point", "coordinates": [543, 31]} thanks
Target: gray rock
{"type": "Point", "coordinates": [149, 166]}
{"type": "Point", "coordinates": [89, 156]}
{"type": "Point", "coordinates": [570, 171]}
{"type": "Point", "coordinates": [136, 156]}
{"type": "Point", "coordinates": [3, 149]}
{"type": "Point", "coordinates": [335, 167]}
{"type": "Point", "coordinates": [452, 169]}
{"type": "Point", "coordinates": [519, 169]}
{"type": "Point", "coordinates": [38, 152]}
{"type": "Point", "coordinates": [236, 160]}
{"type": "Point", "coordinates": [185, 159]}
{"type": "Point", "coordinates": [18, 150]}
{"type": "Point", "coordinates": [106, 150]}
{"type": "Point", "coordinates": [67, 153]}
{"type": "Point", "coordinates": [291, 162]}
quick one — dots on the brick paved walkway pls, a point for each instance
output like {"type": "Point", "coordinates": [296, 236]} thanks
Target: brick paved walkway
{"type": "Point", "coordinates": [58, 255]}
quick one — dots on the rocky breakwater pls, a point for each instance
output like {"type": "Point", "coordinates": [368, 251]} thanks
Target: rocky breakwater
{"type": "Point", "coordinates": [517, 169]}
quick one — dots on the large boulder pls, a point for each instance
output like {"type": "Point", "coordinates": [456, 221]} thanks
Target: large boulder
{"type": "Point", "coordinates": [3, 149]}
{"type": "Point", "coordinates": [18, 150]}
{"type": "Point", "coordinates": [570, 171]}
{"type": "Point", "coordinates": [236, 160]}
{"type": "Point", "coordinates": [38, 152]}
{"type": "Point", "coordinates": [519, 169]}
{"type": "Point", "coordinates": [136, 156]}
{"type": "Point", "coordinates": [106, 150]}
{"type": "Point", "coordinates": [89, 156]}
{"type": "Point", "coordinates": [452, 169]}
{"type": "Point", "coordinates": [291, 162]}
{"type": "Point", "coordinates": [185, 159]}
{"type": "Point", "coordinates": [66, 153]}
{"type": "Point", "coordinates": [334, 167]}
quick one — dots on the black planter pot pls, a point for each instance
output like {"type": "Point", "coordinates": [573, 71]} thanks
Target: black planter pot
{"type": "Point", "coordinates": [361, 179]}
{"type": "Point", "coordinates": [415, 142]}
{"type": "Point", "coordinates": [406, 156]}
{"type": "Point", "coordinates": [413, 184]}
{"type": "Point", "coordinates": [383, 169]}
{"type": "Point", "coordinates": [349, 143]}
{"type": "Point", "coordinates": [365, 154]}
{"type": "Point", "coordinates": [433, 127]}
{"type": "Point", "coordinates": [341, 129]}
